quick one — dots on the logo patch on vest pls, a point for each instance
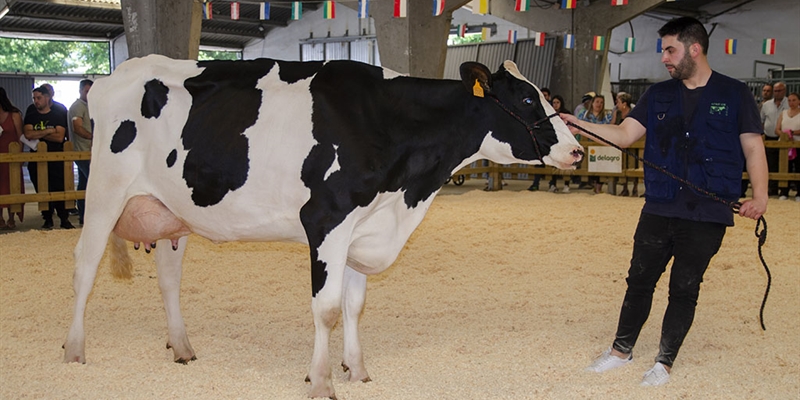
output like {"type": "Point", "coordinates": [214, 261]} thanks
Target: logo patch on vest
{"type": "Point", "coordinates": [719, 109]}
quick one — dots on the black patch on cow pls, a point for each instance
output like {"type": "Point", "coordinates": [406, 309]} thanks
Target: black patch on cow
{"type": "Point", "coordinates": [123, 136]}
{"type": "Point", "coordinates": [401, 134]}
{"type": "Point", "coordinates": [173, 155]}
{"type": "Point", "coordinates": [294, 71]}
{"type": "Point", "coordinates": [225, 102]}
{"type": "Point", "coordinates": [154, 99]}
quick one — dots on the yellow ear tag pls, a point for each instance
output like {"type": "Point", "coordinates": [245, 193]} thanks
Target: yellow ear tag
{"type": "Point", "coordinates": [477, 89]}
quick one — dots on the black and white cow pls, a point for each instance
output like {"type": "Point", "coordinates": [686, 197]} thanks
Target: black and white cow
{"type": "Point", "coordinates": [337, 155]}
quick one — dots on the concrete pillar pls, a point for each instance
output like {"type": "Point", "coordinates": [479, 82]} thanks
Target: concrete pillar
{"type": "Point", "coordinates": [167, 27]}
{"type": "Point", "coordinates": [415, 45]}
{"type": "Point", "coordinates": [579, 70]}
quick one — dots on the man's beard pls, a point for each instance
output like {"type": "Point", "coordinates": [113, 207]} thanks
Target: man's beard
{"type": "Point", "coordinates": [685, 69]}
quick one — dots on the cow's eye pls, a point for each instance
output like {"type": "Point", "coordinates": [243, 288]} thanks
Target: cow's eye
{"type": "Point", "coordinates": [527, 101]}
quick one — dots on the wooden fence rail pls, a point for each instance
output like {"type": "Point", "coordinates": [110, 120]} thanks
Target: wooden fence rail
{"type": "Point", "coordinates": [631, 168]}
{"type": "Point", "coordinates": [15, 158]}
{"type": "Point", "coordinates": [495, 173]}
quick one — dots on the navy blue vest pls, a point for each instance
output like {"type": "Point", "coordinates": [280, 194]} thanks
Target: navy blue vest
{"type": "Point", "coordinates": [707, 153]}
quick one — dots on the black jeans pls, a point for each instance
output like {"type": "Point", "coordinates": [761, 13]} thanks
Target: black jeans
{"type": "Point", "coordinates": [55, 183]}
{"type": "Point", "coordinates": [657, 240]}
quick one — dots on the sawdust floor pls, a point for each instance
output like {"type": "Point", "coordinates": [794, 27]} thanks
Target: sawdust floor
{"type": "Point", "coordinates": [504, 295]}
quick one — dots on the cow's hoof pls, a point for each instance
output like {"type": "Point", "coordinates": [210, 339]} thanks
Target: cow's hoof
{"type": "Point", "coordinates": [185, 361]}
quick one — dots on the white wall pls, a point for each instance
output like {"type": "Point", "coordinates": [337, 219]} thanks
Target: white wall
{"type": "Point", "coordinates": [284, 43]}
{"type": "Point", "coordinates": [749, 24]}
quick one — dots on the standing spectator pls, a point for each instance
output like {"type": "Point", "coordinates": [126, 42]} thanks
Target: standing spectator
{"type": "Point", "coordinates": [679, 117]}
{"type": "Point", "coordinates": [597, 114]}
{"type": "Point", "coordinates": [49, 124]}
{"type": "Point", "coordinates": [537, 177]}
{"type": "Point", "coordinates": [766, 94]}
{"type": "Point", "coordinates": [53, 104]}
{"type": "Point", "coordinates": [770, 111]}
{"type": "Point", "coordinates": [789, 124]}
{"type": "Point", "coordinates": [624, 105]}
{"type": "Point", "coordinates": [586, 100]}
{"type": "Point", "coordinates": [10, 131]}
{"type": "Point", "coordinates": [80, 134]}
{"type": "Point", "coordinates": [560, 106]}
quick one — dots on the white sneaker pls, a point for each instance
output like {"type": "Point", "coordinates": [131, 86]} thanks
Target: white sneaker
{"type": "Point", "coordinates": [783, 198]}
{"type": "Point", "coordinates": [607, 362]}
{"type": "Point", "coordinates": [656, 376]}
{"type": "Point", "coordinates": [552, 189]}
{"type": "Point", "coordinates": [565, 190]}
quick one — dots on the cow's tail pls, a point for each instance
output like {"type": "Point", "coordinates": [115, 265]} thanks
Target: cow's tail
{"type": "Point", "coordinates": [121, 265]}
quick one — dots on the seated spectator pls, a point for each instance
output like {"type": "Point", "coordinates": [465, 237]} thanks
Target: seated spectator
{"type": "Point", "coordinates": [597, 114]}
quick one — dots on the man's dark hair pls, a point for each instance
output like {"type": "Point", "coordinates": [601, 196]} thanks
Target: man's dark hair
{"type": "Point", "coordinates": [84, 83]}
{"type": "Point", "coordinates": [545, 90]}
{"type": "Point", "coordinates": [688, 31]}
{"type": "Point", "coordinates": [43, 90]}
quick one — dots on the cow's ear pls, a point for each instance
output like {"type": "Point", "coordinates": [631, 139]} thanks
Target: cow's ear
{"type": "Point", "coordinates": [476, 78]}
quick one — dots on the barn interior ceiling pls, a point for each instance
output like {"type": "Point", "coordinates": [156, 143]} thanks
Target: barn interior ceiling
{"type": "Point", "coordinates": [102, 19]}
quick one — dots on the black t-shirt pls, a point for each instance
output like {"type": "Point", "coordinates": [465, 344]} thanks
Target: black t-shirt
{"type": "Point", "coordinates": [56, 117]}
{"type": "Point", "coordinates": [688, 204]}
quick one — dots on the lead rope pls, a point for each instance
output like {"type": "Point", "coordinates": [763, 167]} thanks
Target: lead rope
{"type": "Point", "coordinates": [761, 235]}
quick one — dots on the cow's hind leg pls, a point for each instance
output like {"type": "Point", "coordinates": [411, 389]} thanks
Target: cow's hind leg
{"type": "Point", "coordinates": [88, 253]}
{"type": "Point", "coordinates": [169, 267]}
{"type": "Point", "coordinates": [354, 291]}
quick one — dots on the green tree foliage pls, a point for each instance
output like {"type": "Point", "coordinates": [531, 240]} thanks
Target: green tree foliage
{"type": "Point", "coordinates": [470, 38]}
{"type": "Point", "coordinates": [205, 55]}
{"type": "Point", "coordinates": [54, 57]}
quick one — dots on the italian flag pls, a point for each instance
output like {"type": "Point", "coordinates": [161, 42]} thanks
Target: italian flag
{"type": "Point", "coordinates": [599, 43]}
{"type": "Point", "coordinates": [522, 5]}
{"type": "Point", "coordinates": [769, 46]}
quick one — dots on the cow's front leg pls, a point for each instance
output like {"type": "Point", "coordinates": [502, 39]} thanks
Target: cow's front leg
{"type": "Point", "coordinates": [327, 274]}
{"type": "Point", "coordinates": [354, 292]}
{"type": "Point", "coordinates": [169, 267]}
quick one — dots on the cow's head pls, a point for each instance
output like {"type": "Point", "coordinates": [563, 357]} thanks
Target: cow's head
{"type": "Point", "coordinates": [527, 127]}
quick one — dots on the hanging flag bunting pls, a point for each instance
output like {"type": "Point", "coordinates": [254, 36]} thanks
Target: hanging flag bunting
{"type": "Point", "coordinates": [235, 10]}
{"type": "Point", "coordinates": [438, 7]}
{"type": "Point", "coordinates": [599, 43]}
{"type": "Point", "coordinates": [619, 2]}
{"type": "Point", "coordinates": [400, 8]}
{"type": "Point", "coordinates": [363, 9]}
{"type": "Point", "coordinates": [462, 30]}
{"type": "Point", "coordinates": [512, 36]}
{"type": "Point", "coordinates": [263, 12]}
{"type": "Point", "coordinates": [568, 4]}
{"type": "Point", "coordinates": [207, 10]}
{"type": "Point", "coordinates": [522, 5]}
{"type": "Point", "coordinates": [769, 46]}
{"type": "Point", "coordinates": [485, 34]}
{"type": "Point", "coordinates": [730, 46]}
{"type": "Point", "coordinates": [297, 10]}
{"type": "Point", "coordinates": [538, 38]}
{"type": "Point", "coordinates": [569, 41]}
{"type": "Point", "coordinates": [480, 6]}
{"type": "Point", "coordinates": [630, 43]}
{"type": "Point", "coordinates": [329, 9]}
{"type": "Point", "coordinates": [658, 46]}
